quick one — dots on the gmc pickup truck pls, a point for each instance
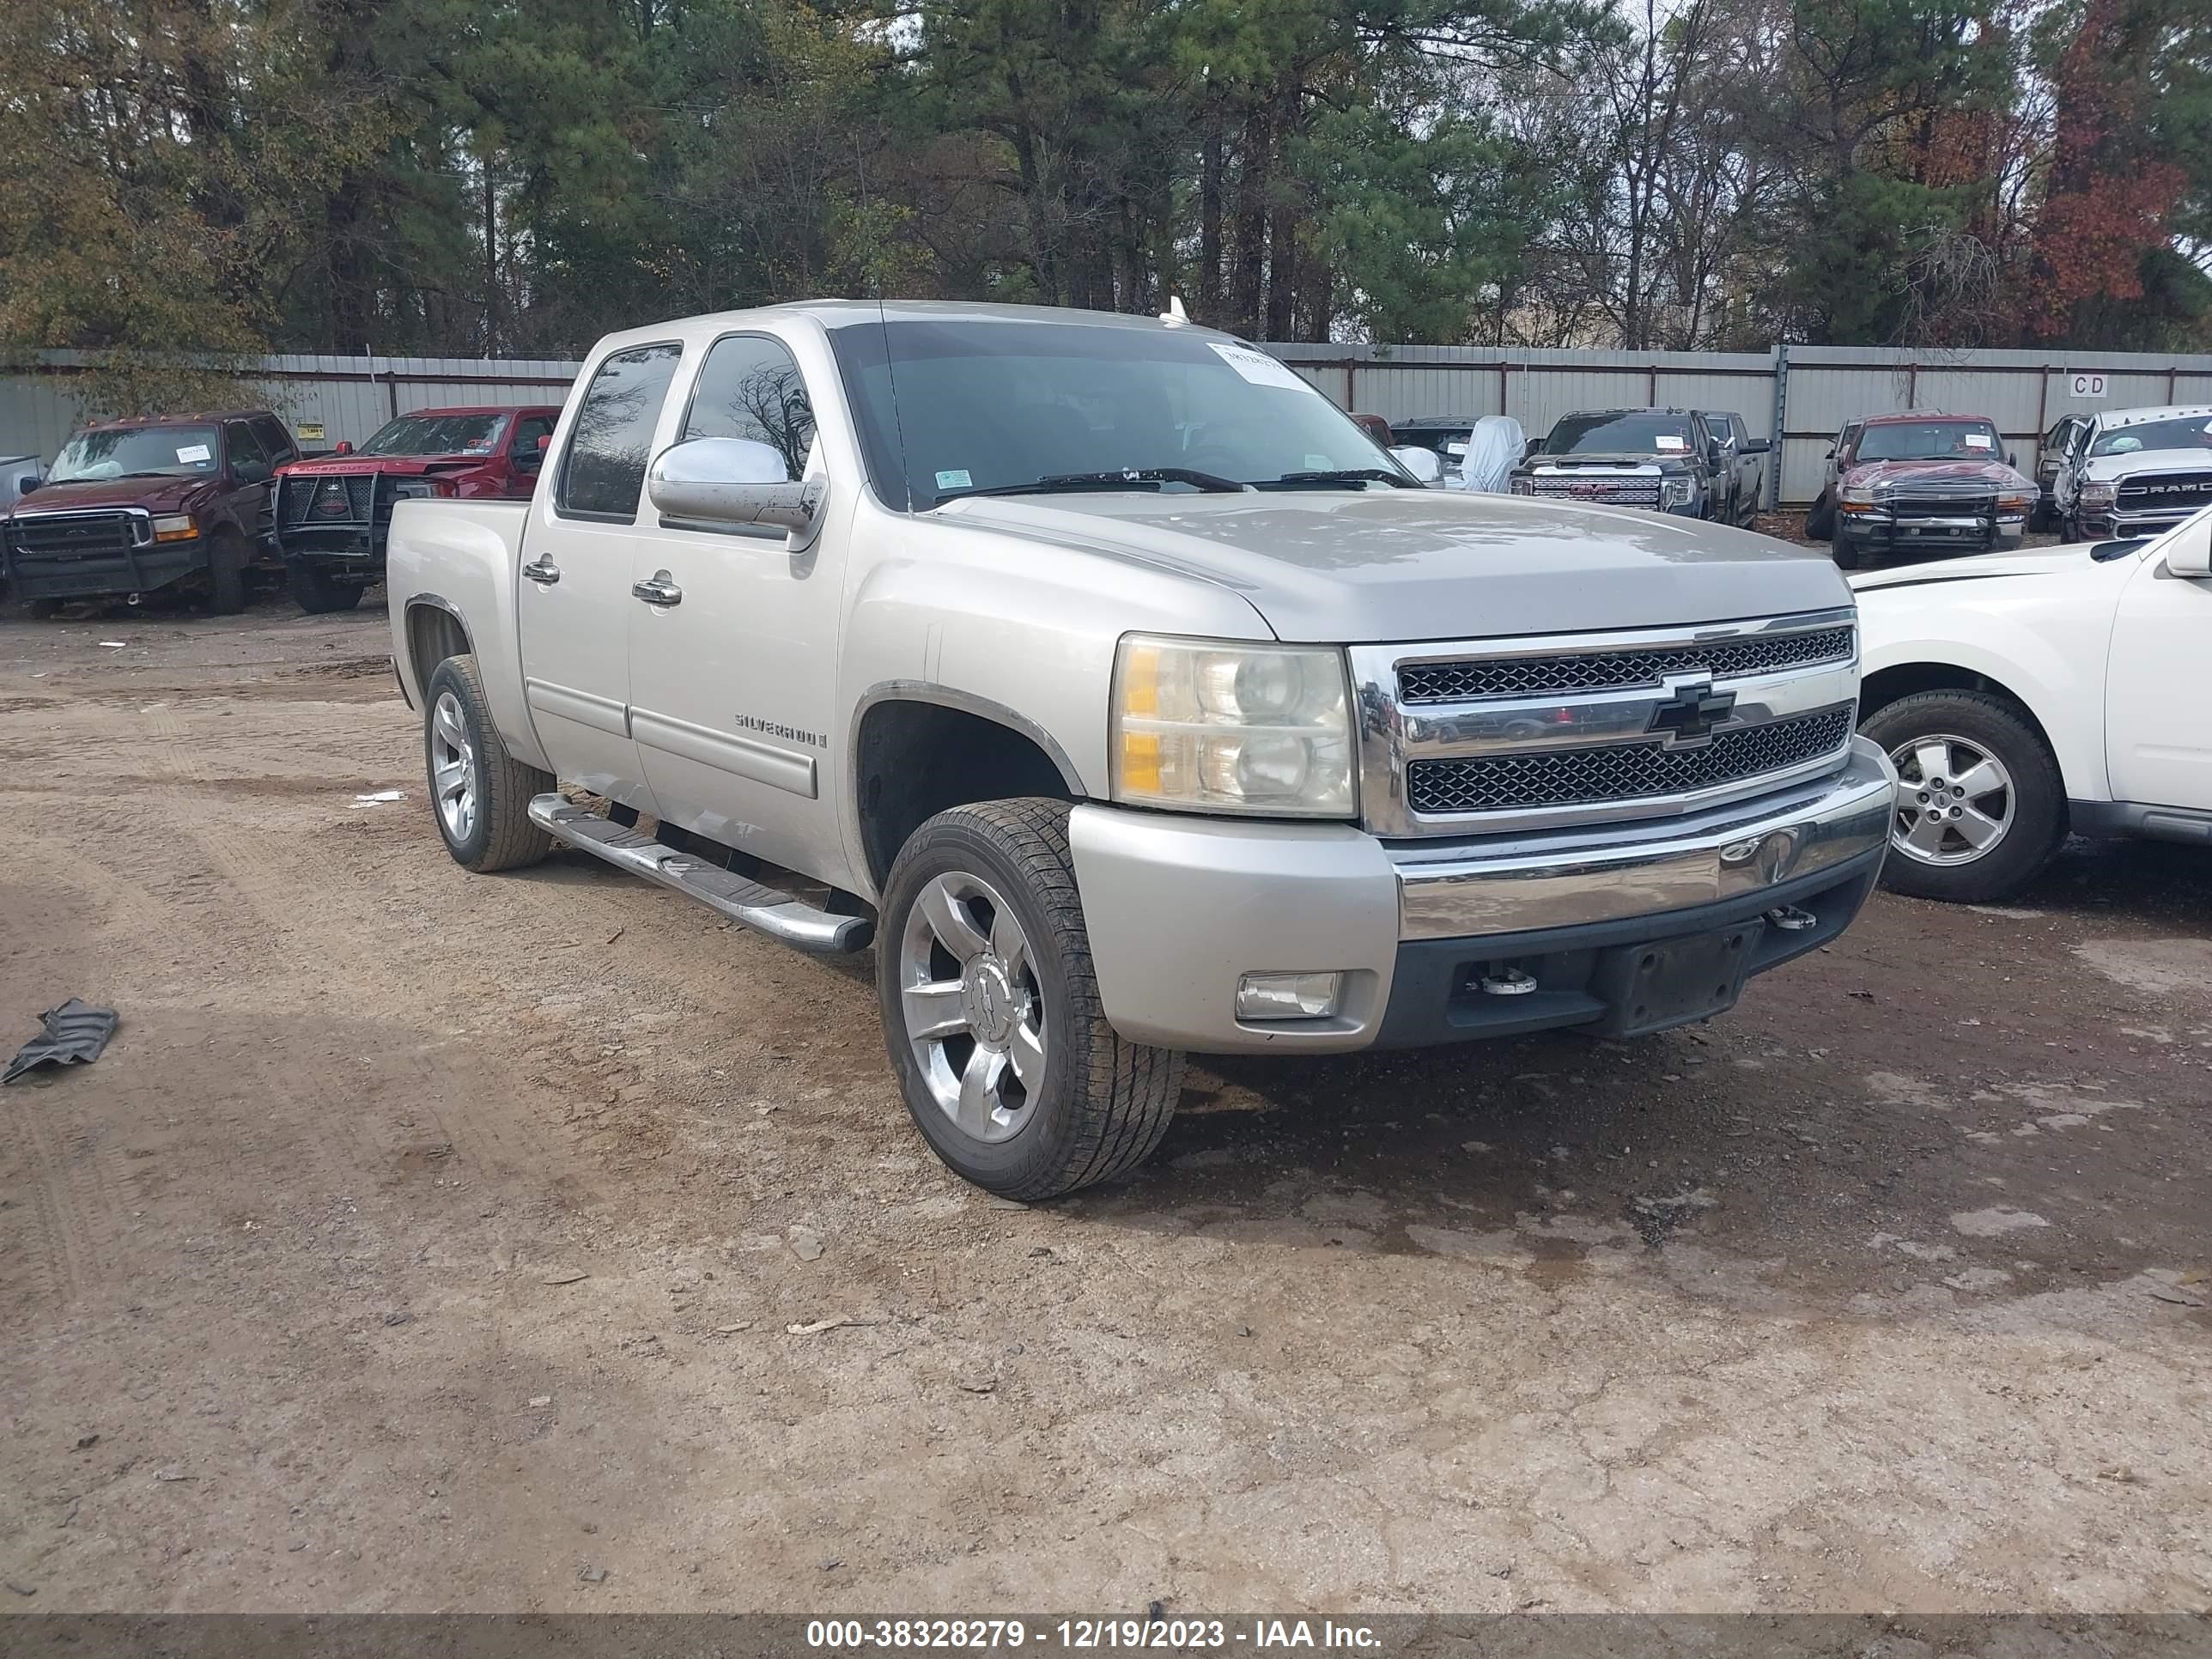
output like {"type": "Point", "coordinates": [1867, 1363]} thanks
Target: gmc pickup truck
{"type": "Point", "coordinates": [1114, 686]}
{"type": "Point", "coordinates": [2024, 695]}
{"type": "Point", "coordinates": [1667, 459]}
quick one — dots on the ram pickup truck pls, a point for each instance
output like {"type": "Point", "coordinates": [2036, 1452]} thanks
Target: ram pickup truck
{"type": "Point", "coordinates": [130, 508]}
{"type": "Point", "coordinates": [333, 512]}
{"type": "Point", "coordinates": [2135, 471]}
{"type": "Point", "coordinates": [1665, 460]}
{"type": "Point", "coordinates": [1113, 684]}
{"type": "Point", "coordinates": [2023, 694]}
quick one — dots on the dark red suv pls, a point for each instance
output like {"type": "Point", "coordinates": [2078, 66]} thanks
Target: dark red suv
{"type": "Point", "coordinates": [134, 508]}
{"type": "Point", "coordinates": [332, 513]}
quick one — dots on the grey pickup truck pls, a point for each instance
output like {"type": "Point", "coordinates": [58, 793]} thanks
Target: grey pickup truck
{"type": "Point", "coordinates": [1129, 701]}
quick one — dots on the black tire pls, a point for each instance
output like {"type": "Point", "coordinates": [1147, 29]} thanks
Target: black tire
{"type": "Point", "coordinates": [2038, 793]}
{"type": "Point", "coordinates": [1819, 519]}
{"type": "Point", "coordinates": [1843, 551]}
{"type": "Point", "coordinates": [500, 834]}
{"type": "Point", "coordinates": [316, 591]}
{"type": "Point", "coordinates": [227, 557]}
{"type": "Point", "coordinates": [43, 609]}
{"type": "Point", "coordinates": [1105, 1102]}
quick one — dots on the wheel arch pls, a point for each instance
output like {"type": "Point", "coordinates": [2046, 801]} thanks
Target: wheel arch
{"type": "Point", "coordinates": [919, 748]}
{"type": "Point", "coordinates": [1892, 685]}
{"type": "Point", "coordinates": [434, 630]}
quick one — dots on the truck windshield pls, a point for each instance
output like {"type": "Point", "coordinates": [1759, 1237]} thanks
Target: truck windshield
{"type": "Point", "coordinates": [136, 452]}
{"type": "Point", "coordinates": [1629, 432]}
{"type": "Point", "coordinates": [1928, 441]}
{"type": "Point", "coordinates": [436, 434]}
{"type": "Point", "coordinates": [955, 407]}
{"type": "Point", "coordinates": [2190, 432]}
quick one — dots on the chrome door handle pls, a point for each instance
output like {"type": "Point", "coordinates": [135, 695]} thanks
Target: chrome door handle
{"type": "Point", "coordinates": [543, 571]}
{"type": "Point", "coordinates": [658, 590]}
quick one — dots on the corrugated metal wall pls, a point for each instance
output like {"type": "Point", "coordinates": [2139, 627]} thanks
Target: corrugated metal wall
{"type": "Point", "coordinates": [349, 397]}
{"type": "Point", "coordinates": [1821, 386]}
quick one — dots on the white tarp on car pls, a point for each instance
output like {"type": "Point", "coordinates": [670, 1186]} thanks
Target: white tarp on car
{"type": "Point", "coordinates": [1493, 450]}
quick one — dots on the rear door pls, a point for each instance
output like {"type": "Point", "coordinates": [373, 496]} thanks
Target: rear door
{"type": "Point", "coordinates": [572, 597]}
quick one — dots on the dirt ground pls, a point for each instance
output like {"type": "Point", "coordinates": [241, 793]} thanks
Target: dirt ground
{"type": "Point", "coordinates": [430, 1241]}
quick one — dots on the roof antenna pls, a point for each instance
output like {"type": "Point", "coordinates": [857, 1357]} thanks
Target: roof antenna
{"type": "Point", "coordinates": [1175, 313]}
{"type": "Point", "coordinates": [883, 325]}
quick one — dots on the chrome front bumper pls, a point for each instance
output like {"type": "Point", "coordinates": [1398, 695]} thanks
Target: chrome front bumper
{"type": "Point", "coordinates": [1179, 908]}
{"type": "Point", "coordinates": [1566, 879]}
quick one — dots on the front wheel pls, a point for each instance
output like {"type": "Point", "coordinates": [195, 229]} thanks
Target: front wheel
{"type": "Point", "coordinates": [1819, 518]}
{"type": "Point", "coordinates": [479, 793]}
{"type": "Point", "coordinates": [316, 592]}
{"type": "Point", "coordinates": [1981, 807]}
{"type": "Point", "coordinates": [227, 557]}
{"type": "Point", "coordinates": [992, 1014]}
{"type": "Point", "coordinates": [1844, 551]}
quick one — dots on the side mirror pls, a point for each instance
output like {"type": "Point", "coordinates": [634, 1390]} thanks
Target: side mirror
{"type": "Point", "coordinates": [2190, 552]}
{"type": "Point", "coordinates": [544, 442]}
{"type": "Point", "coordinates": [27, 482]}
{"type": "Point", "coordinates": [2012, 459]}
{"type": "Point", "coordinates": [1757, 446]}
{"type": "Point", "coordinates": [1830, 456]}
{"type": "Point", "coordinates": [1423, 464]}
{"type": "Point", "coordinates": [733, 483]}
{"type": "Point", "coordinates": [344, 446]}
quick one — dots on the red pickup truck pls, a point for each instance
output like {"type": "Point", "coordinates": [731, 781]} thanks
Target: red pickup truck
{"type": "Point", "coordinates": [332, 513]}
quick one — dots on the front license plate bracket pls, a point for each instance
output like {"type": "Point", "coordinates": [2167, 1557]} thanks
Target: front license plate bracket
{"type": "Point", "coordinates": [1663, 983]}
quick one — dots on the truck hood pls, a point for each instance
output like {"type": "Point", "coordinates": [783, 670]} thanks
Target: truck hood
{"type": "Point", "coordinates": [154, 494]}
{"type": "Point", "coordinates": [1936, 473]}
{"type": "Point", "coordinates": [401, 466]}
{"type": "Point", "coordinates": [1979, 567]}
{"type": "Point", "coordinates": [1378, 565]}
{"type": "Point", "coordinates": [2110, 469]}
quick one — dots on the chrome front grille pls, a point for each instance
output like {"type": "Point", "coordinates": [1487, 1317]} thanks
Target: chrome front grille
{"type": "Point", "coordinates": [1614, 671]}
{"type": "Point", "coordinates": [1622, 772]}
{"type": "Point", "coordinates": [1612, 492]}
{"type": "Point", "coordinates": [1502, 736]}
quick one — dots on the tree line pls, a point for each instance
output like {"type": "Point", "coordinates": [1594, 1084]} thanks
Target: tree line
{"type": "Point", "coordinates": [516, 176]}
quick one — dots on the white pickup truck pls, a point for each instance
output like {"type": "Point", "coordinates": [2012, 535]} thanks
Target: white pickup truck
{"type": "Point", "coordinates": [2023, 694]}
{"type": "Point", "coordinates": [1130, 700]}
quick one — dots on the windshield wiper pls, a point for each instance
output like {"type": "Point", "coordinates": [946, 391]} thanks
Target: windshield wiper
{"type": "Point", "coordinates": [1131, 478]}
{"type": "Point", "coordinates": [1339, 477]}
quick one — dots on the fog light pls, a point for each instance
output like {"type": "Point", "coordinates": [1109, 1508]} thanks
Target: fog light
{"type": "Point", "coordinates": [1288, 996]}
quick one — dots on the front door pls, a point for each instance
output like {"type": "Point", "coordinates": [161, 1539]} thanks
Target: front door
{"type": "Point", "coordinates": [573, 593]}
{"type": "Point", "coordinates": [253, 497]}
{"type": "Point", "coordinates": [2158, 721]}
{"type": "Point", "coordinates": [733, 663]}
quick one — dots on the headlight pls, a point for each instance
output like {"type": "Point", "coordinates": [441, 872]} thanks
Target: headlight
{"type": "Point", "coordinates": [1865, 495]}
{"type": "Point", "coordinates": [1524, 486]}
{"type": "Point", "coordinates": [418, 488]}
{"type": "Point", "coordinates": [1215, 726]}
{"type": "Point", "coordinates": [2098, 494]}
{"type": "Point", "coordinates": [2017, 501]}
{"type": "Point", "coordinates": [176, 527]}
{"type": "Point", "coordinates": [1674, 492]}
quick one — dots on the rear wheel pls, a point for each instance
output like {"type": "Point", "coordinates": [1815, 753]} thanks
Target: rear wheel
{"type": "Point", "coordinates": [43, 609]}
{"type": "Point", "coordinates": [1981, 807]}
{"type": "Point", "coordinates": [479, 793]}
{"type": "Point", "coordinates": [316, 591]}
{"type": "Point", "coordinates": [991, 1009]}
{"type": "Point", "coordinates": [227, 557]}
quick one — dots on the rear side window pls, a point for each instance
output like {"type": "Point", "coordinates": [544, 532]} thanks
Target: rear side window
{"type": "Point", "coordinates": [750, 388]}
{"type": "Point", "coordinates": [244, 449]}
{"type": "Point", "coordinates": [528, 431]}
{"type": "Point", "coordinates": [604, 468]}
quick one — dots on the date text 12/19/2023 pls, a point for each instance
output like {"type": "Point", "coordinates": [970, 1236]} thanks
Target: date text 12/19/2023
{"type": "Point", "coordinates": [1085, 1634]}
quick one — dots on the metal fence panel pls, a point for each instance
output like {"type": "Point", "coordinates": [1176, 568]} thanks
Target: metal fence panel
{"type": "Point", "coordinates": [2024, 392]}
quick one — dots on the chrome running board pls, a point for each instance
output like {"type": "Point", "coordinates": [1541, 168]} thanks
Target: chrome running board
{"type": "Point", "coordinates": [770, 910]}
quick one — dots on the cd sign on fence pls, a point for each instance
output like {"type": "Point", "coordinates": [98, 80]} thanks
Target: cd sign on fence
{"type": "Point", "coordinates": [2089, 386]}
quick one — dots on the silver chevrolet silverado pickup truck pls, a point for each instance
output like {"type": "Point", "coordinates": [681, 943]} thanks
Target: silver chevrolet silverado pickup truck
{"type": "Point", "coordinates": [1129, 701]}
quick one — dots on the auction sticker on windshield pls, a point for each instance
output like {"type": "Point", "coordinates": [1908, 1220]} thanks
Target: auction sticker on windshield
{"type": "Point", "coordinates": [194, 452]}
{"type": "Point", "coordinates": [1978, 441]}
{"type": "Point", "coordinates": [1668, 441]}
{"type": "Point", "coordinates": [1258, 366]}
{"type": "Point", "coordinates": [957, 480]}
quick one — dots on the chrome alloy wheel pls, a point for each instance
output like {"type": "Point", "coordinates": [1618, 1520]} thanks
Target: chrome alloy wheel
{"type": "Point", "coordinates": [452, 767]}
{"type": "Point", "coordinates": [974, 1010]}
{"type": "Point", "coordinates": [1954, 800]}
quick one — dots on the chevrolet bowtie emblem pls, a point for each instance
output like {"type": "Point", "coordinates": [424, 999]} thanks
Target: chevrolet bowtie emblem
{"type": "Point", "coordinates": [1689, 717]}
